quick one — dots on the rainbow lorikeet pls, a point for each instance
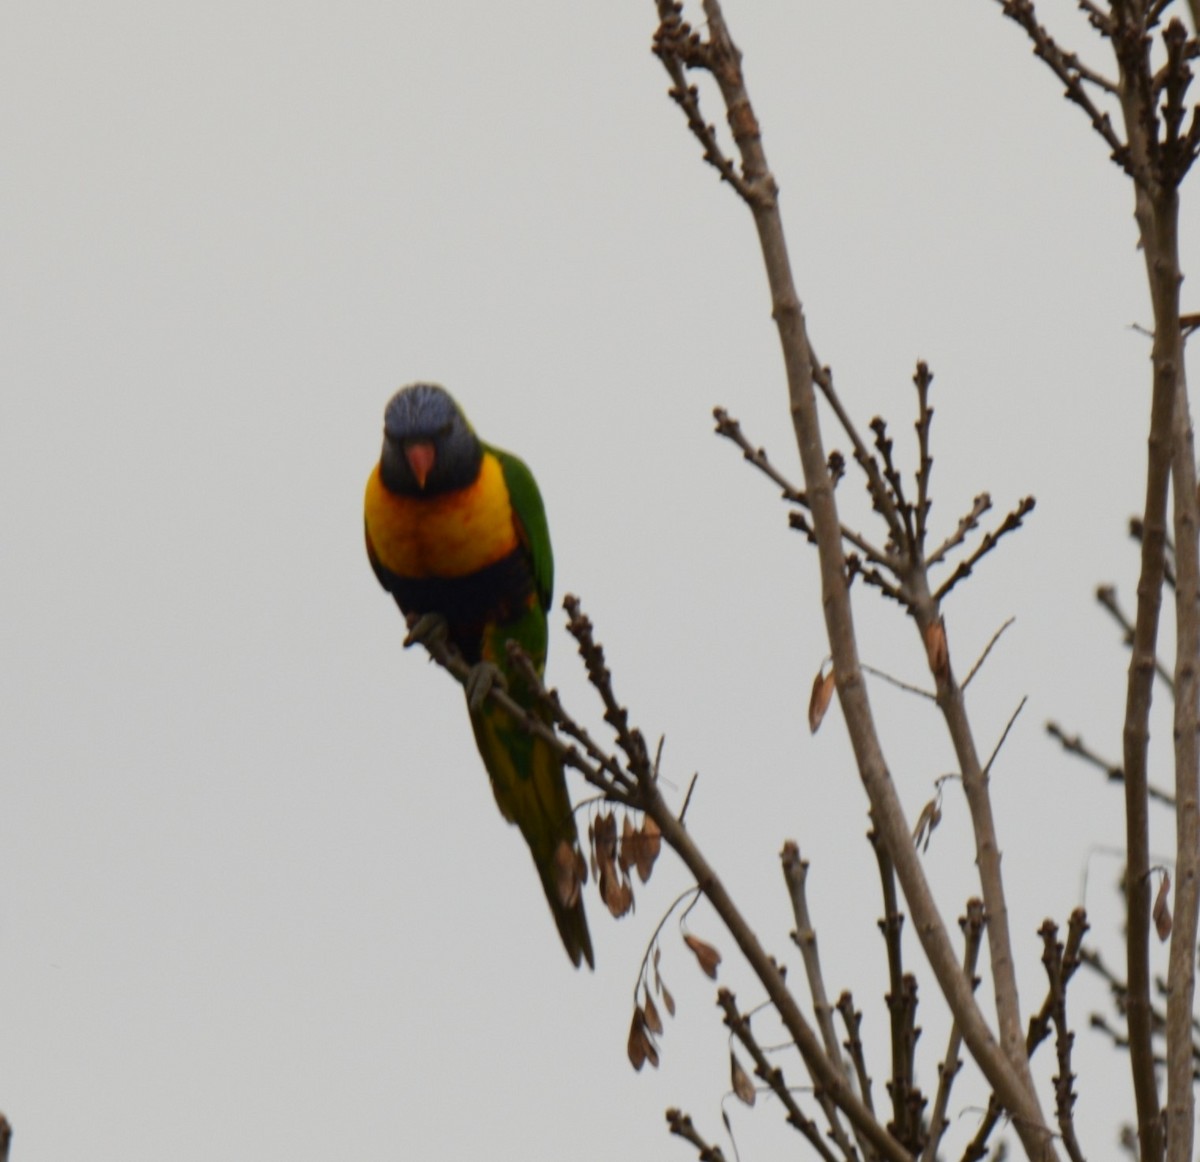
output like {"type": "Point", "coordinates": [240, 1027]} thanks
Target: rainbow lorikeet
{"type": "Point", "coordinates": [456, 532]}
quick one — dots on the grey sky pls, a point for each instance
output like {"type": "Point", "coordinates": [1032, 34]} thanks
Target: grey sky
{"type": "Point", "coordinates": [254, 890]}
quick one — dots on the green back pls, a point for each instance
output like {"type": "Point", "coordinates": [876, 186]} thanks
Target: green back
{"type": "Point", "coordinates": [531, 520]}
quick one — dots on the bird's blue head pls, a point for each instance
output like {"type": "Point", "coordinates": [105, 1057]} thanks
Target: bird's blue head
{"type": "Point", "coordinates": [428, 446]}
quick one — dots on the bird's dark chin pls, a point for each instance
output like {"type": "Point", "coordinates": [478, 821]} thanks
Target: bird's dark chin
{"type": "Point", "coordinates": [394, 469]}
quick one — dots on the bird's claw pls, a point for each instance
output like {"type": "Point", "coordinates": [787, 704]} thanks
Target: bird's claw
{"type": "Point", "coordinates": [484, 676]}
{"type": "Point", "coordinates": [427, 629]}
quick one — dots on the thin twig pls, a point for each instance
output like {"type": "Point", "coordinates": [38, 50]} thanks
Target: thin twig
{"type": "Point", "coordinates": [852, 1019]}
{"type": "Point", "coordinates": [679, 47]}
{"type": "Point", "coordinates": [728, 427]}
{"type": "Point", "coordinates": [1066, 67]}
{"type": "Point", "coordinates": [972, 925]}
{"type": "Point", "coordinates": [986, 650]}
{"type": "Point", "coordinates": [901, 999]}
{"type": "Point", "coordinates": [680, 1124]}
{"type": "Point", "coordinates": [1097, 17]}
{"type": "Point", "coordinates": [987, 767]}
{"type": "Point", "coordinates": [629, 739]}
{"type": "Point", "coordinates": [907, 687]}
{"type": "Point", "coordinates": [1137, 529]}
{"type": "Point", "coordinates": [1011, 522]}
{"type": "Point", "coordinates": [1039, 1026]}
{"type": "Point", "coordinates": [881, 498]}
{"type": "Point", "coordinates": [1073, 744]}
{"type": "Point", "coordinates": [1064, 1091]}
{"type": "Point", "coordinates": [693, 892]}
{"type": "Point", "coordinates": [922, 379]}
{"type": "Point", "coordinates": [688, 797]}
{"type": "Point", "coordinates": [966, 524]}
{"type": "Point", "coordinates": [895, 483]}
{"type": "Point", "coordinates": [1106, 595]}
{"type": "Point", "coordinates": [795, 876]}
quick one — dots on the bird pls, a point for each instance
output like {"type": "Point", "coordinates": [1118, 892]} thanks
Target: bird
{"type": "Point", "coordinates": [456, 532]}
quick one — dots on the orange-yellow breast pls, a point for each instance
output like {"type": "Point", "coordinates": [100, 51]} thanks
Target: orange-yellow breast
{"type": "Point", "coordinates": [451, 535]}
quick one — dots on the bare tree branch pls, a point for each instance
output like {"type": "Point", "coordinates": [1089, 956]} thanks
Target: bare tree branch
{"type": "Point", "coordinates": [1073, 744]}
{"type": "Point", "coordinates": [636, 785]}
{"type": "Point", "coordinates": [1064, 1092]}
{"type": "Point", "coordinates": [972, 924]}
{"type": "Point", "coordinates": [681, 1125]}
{"type": "Point", "coordinates": [1006, 1067]}
{"type": "Point", "coordinates": [966, 525]}
{"type": "Point", "coordinates": [1010, 523]}
{"type": "Point", "coordinates": [922, 378]}
{"type": "Point", "coordinates": [901, 998]}
{"type": "Point", "coordinates": [1106, 595]}
{"type": "Point", "coordinates": [852, 1019]}
{"type": "Point", "coordinates": [1156, 210]}
{"type": "Point", "coordinates": [1136, 528]}
{"type": "Point", "coordinates": [826, 1076]}
{"type": "Point", "coordinates": [1068, 70]}
{"type": "Point", "coordinates": [795, 875]}
{"type": "Point", "coordinates": [728, 427]}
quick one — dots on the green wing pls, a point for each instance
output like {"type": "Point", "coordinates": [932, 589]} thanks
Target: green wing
{"type": "Point", "coordinates": [526, 773]}
{"type": "Point", "coordinates": [531, 521]}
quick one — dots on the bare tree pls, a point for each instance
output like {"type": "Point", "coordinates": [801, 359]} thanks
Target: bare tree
{"type": "Point", "coordinates": [1141, 114]}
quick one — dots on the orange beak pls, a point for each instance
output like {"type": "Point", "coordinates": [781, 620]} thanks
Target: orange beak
{"type": "Point", "coordinates": [420, 456]}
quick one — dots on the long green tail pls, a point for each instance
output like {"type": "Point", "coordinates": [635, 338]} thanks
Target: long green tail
{"type": "Point", "coordinates": [531, 791]}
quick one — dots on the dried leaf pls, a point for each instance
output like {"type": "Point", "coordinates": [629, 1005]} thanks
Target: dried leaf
{"type": "Point", "coordinates": [592, 849]}
{"type": "Point", "coordinates": [927, 821]}
{"type": "Point", "coordinates": [626, 858]}
{"type": "Point", "coordinates": [937, 650]}
{"type": "Point", "coordinates": [1162, 911]}
{"type": "Point", "coordinates": [704, 952]}
{"type": "Point", "coordinates": [640, 847]}
{"type": "Point", "coordinates": [603, 832]}
{"type": "Point", "coordinates": [822, 695]}
{"type": "Point", "coordinates": [567, 873]}
{"type": "Point", "coordinates": [743, 1087]}
{"type": "Point", "coordinates": [615, 889]}
{"type": "Point", "coordinates": [653, 1020]}
{"type": "Point", "coordinates": [640, 1046]}
{"type": "Point", "coordinates": [638, 1041]}
{"type": "Point", "coordinates": [617, 896]}
{"type": "Point", "coordinates": [649, 848]}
